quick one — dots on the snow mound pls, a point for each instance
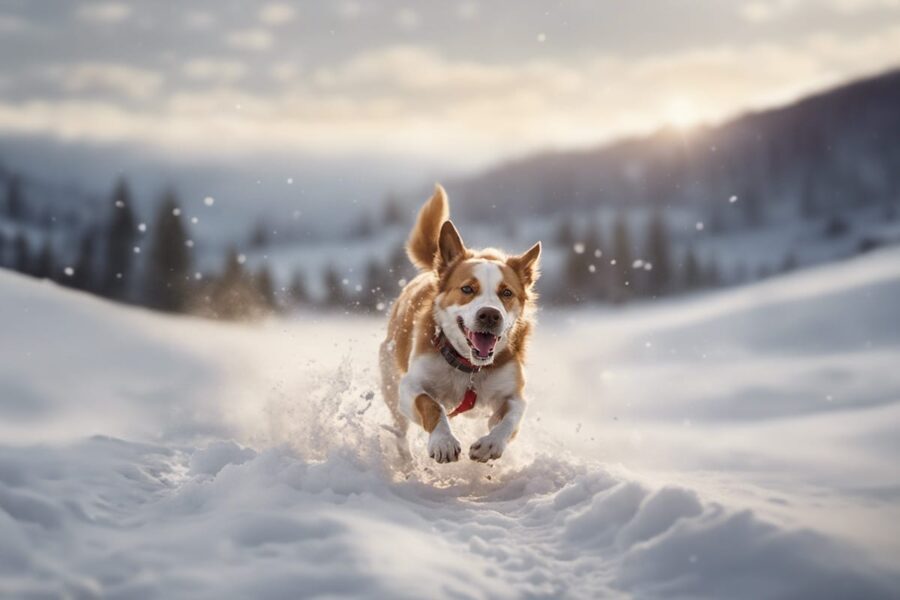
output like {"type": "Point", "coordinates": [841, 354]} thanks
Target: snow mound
{"type": "Point", "coordinates": [188, 459]}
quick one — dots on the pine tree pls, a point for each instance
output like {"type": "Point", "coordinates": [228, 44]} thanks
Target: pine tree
{"type": "Point", "coordinates": [657, 255]}
{"type": "Point", "coordinates": [21, 254]}
{"type": "Point", "coordinates": [692, 277]}
{"type": "Point", "coordinates": [393, 214]}
{"type": "Point", "coordinates": [565, 234]}
{"type": "Point", "coordinates": [375, 282]}
{"type": "Point", "coordinates": [297, 291]}
{"type": "Point", "coordinates": [119, 242]}
{"type": "Point", "coordinates": [622, 250]}
{"type": "Point", "coordinates": [265, 290]}
{"type": "Point", "coordinates": [15, 203]}
{"type": "Point", "coordinates": [334, 289]}
{"type": "Point", "coordinates": [83, 276]}
{"type": "Point", "coordinates": [167, 286]}
{"type": "Point", "coordinates": [44, 264]}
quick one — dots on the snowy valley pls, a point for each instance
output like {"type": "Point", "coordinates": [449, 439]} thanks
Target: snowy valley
{"type": "Point", "coordinates": [734, 444]}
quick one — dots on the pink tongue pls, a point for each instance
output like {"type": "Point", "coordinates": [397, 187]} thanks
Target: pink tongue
{"type": "Point", "coordinates": [483, 342]}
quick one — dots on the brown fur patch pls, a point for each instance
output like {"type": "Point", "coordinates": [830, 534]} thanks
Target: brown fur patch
{"type": "Point", "coordinates": [422, 246]}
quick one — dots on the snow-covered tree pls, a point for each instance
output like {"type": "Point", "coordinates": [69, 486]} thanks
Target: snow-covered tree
{"type": "Point", "coordinates": [121, 234]}
{"type": "Point", "coordinates": [167, 284]}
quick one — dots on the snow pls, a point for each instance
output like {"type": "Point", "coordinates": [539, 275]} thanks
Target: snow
{"type": "Point", "coordinates": [740, 444]}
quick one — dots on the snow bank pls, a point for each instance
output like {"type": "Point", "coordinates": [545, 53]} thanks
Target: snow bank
{"type": "Point", "coordinates": [250, 462]}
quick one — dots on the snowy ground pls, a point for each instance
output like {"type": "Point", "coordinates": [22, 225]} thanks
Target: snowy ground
{"type": "Point", "coordinates": [739, 445]}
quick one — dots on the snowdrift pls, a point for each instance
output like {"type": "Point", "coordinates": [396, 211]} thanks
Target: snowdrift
{"type": "Point", "coordinates": [737, 445]}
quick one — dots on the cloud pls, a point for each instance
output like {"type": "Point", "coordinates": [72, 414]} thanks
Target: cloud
{"type": "Point", "coordinates": [199, 20]}
{"type": "Point", "coordinates": [104, 12]}
{"type": "Point", "coordinates": [349, 10]}
{"type": "Point", "coordinates": [407, 18]}
{"type": "Point", "coordinates": [419, 100]}
{"type": "Point", "coordinates": [276, 14]}
{"type": "Point", "coordinates": [12, 24]}
{"type": "Point", "coordinates": [256, 40]}
{"type": "Point", "coordinates": [214, 70]}
{"type": "Point", "coordinates": [128, 81]}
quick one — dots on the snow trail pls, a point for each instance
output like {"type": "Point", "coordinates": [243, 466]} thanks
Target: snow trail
{"type": "Point", "coordinates": [190, 459]}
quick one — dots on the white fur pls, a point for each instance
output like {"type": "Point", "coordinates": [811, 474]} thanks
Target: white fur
{"type": "Point", "coordinates": [430, 374]}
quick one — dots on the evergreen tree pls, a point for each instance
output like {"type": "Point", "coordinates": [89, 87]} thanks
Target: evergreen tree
{"type": "Point", "coordinates": [15, 202]}
{"type": "Point", "coordinates": [659, 279]}
{"type": "Point", "coordinates": [622, 251]}
{"type": "Point", "coordinates": [265, 290]}
{"type": "Point", "coordinates": [21, 254]}
{"type": "Point", "coordinates": [393, 213]}
{"type": "Point", "coordinates": [45, 262]}
{"type": "Point", "coordinates": [232, 296]}
{"type": "Point", "coordinates": [120, 239]}
{"type": "Point", "coordinates": [3, 250]}
{"type": "Point", "coordinates": [692, 276]}
{"type": "Point", "coordinates": [297, 291]}
{"type": "Point", "coordinates": [167, 286]}
{"type": "Point", "coordinates": [83, 276]}
{"type": "Point", "coordinates": [789, 263]}
{"type": "Point", "coordinates": [711, 276]}
{"type": "Point", "coordinates": [375, 283]}
{"type": "Point", "coordinates": [581, 283]}
{"type": "Point", "coordinates": [334, 288]}
{"type": "Point", "coordinates": [565, 234]}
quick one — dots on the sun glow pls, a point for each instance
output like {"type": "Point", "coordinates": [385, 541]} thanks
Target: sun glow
{"type": "Point", "coordinates": [682, 113]}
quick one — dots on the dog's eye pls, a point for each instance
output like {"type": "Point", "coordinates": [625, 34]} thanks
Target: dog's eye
{"type": "Point", "coordinates": [507, 293]}
{"type": "Point", "coordinates": [467, 289]}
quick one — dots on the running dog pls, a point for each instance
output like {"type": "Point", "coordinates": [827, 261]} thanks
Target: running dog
{"type": "Point", "coordinates": [456, 338]}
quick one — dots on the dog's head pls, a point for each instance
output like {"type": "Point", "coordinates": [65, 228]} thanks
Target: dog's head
{"type": "Point", "coordinates": [483, 295]}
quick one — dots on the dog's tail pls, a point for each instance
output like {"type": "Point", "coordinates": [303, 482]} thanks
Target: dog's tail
{"type": "Point", "coordinates": [422, 245]}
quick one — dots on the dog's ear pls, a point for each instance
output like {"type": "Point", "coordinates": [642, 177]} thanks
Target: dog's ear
{"type": "Point", "coordinates": [526, 265]}
{"type": "Point", "coordinates": [450, 245]}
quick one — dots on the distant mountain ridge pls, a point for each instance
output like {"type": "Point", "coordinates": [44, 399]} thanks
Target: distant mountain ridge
{"type": "Point", "coordinates": [825, 152]}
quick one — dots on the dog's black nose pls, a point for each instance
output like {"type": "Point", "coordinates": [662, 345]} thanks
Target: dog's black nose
{"type": "Point", "coordinates": [488, 317]}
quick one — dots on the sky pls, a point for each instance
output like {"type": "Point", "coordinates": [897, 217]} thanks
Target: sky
{"type": "Point", "coordinates": [462, 84]}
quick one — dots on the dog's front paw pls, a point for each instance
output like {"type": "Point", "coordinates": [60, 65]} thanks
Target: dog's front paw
{"type": "Point", "coordinates": [443, 446]}
{"type": "Point", "coordinates": [487, 448]}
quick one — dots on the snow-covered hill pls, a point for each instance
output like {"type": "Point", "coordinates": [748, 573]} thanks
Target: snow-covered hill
{"type": "Point", "coordinates": [742, 445]}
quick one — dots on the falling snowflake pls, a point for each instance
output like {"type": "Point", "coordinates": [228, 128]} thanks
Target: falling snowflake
{"type": "Point", "coordinates": [290, 181]}
{"type": "Point", "coordinates": [598, 253]}
{"type": "Point", "coordinates": [699, 225]}
{"type": "Point", "coordinates": [137, 249]}
{"type": "Point", "coordinates": [637, 264]}
{"type": "Point", "coordinates": [189, 243]}
{"type": "Point", "coordinates": [120, 204]}
{"type": "Point", "coordinates": [733, 199]}
{"type": "Point", "coordinates": [195, 220]}
{"type": "Point", "coordinates": [209, 201]}
{"type": "Point", "coordinates": [142, 227]}
{"type": "Point", "coordinates": [578, 248]}
{"type": "Point", "coordinates": [69, 271]}
{"type": "Point", "coordinates": [592, 268]}
{"type": "Point", "coordinates": [541, 38]}
{"type": "Point", "coordinates": [379, 307]}
{"type": "Point", "coordinates": [198, 276]}
{"type": "Point", "coordinates": [241, 259]}
{"type": "Point", "coordinates": [176, 211]}
{"type": "Point", "coordinates": [648, 266]}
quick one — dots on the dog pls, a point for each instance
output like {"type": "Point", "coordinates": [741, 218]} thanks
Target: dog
{"type": "Point", "coordinates": [456, 338]}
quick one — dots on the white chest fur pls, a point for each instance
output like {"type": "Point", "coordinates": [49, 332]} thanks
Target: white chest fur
{"type": "Point", "coordinates": [432, 375]}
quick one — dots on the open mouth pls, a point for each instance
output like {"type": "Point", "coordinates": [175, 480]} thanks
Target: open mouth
{"type": "Point", "coordinates": [481, 343]}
